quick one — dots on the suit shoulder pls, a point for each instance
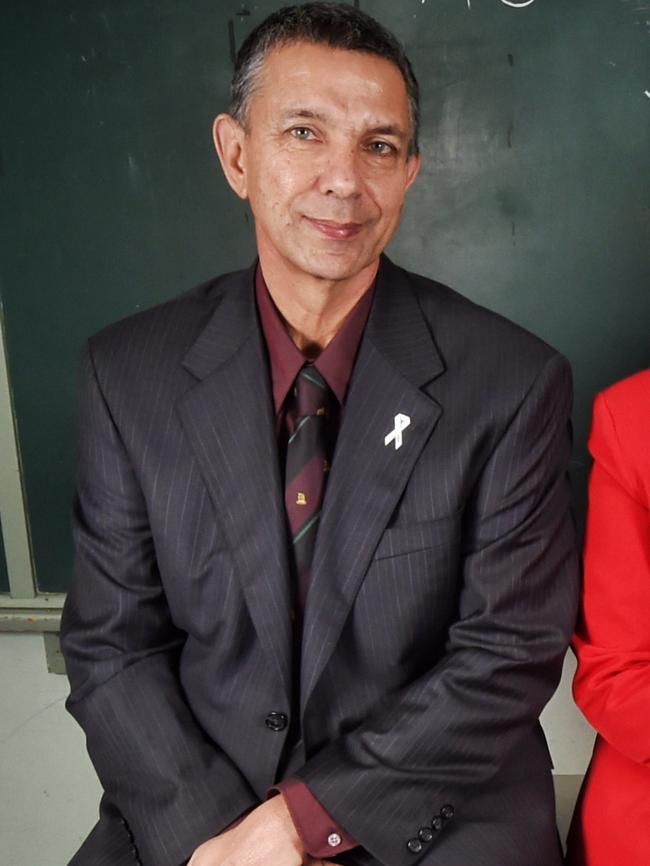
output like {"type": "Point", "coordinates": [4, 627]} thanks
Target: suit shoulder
{"type": "Point", "coordinates": [165, 330]}
{"type": "Point", "coordinates": [621, 423]}
{"type": "Point", "coordinates": [469, 333]}
{"type": "Point", "coordinates": [629, 399]}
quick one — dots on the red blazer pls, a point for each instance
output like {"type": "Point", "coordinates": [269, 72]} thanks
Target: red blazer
{"type": "Point", "coordinates": [611, 824]}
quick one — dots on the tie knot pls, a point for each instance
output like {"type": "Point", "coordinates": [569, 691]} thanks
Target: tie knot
{"type": "Point", "coordinates": [311, 391]}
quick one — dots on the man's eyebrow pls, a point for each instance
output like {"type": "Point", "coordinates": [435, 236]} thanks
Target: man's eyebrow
{"type": "Point", "coordinates": [389, 129]}
{"type": "Point", "coordinates": [303, 113]}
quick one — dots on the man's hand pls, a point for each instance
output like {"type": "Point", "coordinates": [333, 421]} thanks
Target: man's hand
{"type": "Point", "coordinates": [267, 835]}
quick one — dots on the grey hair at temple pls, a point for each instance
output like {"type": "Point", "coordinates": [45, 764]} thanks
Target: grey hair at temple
{"type": "Point", "coordinates": [335, 24]}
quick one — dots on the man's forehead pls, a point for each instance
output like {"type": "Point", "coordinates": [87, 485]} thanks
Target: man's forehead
{"type": "Point", "coordinates": [302, 59]}
{"type": "Point", "coordinates": [315, 79]}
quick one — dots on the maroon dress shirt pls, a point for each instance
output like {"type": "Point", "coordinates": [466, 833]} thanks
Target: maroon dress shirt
{"type": "Point", "coordinates": [322, 837]}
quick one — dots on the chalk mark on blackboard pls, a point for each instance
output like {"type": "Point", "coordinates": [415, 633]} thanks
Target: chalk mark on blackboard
{"type": "Point", "coordinates": [517, 5]}
{"type": "Point", "coordinates": [647, 93]}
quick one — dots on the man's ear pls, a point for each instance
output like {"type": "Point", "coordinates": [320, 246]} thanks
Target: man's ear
{"type": "Point", "coordinates": [228, 136]}
{"type": "Point", "coordinates": [412, 168]}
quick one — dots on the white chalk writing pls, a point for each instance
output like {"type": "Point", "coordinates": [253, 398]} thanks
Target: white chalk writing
{"type": "Point", "coordinates": [515, 4]}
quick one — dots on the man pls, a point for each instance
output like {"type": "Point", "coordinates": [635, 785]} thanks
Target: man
{"type": "Point", "coordinates": [325, 565]}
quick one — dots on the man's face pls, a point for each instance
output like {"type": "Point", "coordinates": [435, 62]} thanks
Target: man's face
{"type": "Point", "coordinates": [324, 159]}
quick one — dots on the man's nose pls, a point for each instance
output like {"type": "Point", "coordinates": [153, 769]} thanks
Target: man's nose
{"type": "Point", "coordinates": [341, 172]}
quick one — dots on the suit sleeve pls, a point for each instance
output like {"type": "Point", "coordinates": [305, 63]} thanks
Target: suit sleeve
{"type": "Point", "coordinates": [173, 785]}
{"type": "Point", "coordinates": [612, 641]}
{"type": "Point", "coordinates": [424, 752]}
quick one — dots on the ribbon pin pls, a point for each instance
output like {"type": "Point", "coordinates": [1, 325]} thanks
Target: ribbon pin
{"type": "Point", "coordinates": [401, 423]}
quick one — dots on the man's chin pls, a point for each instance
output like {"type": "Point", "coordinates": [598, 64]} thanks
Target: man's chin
{"type": "Point", "coordinates": [335, 266]}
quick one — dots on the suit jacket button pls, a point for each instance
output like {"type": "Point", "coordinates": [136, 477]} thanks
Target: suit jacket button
{"type": "Point", "coordinates": [276, 721]}
{"type": "Point", "coordinates": [414, 846]}
{"type": "Point", "coordinates": [436, 824]}
{"type": "Point", "coordinates": [447, 812]}
{"type": "Point", "coordinates": [425, 834]}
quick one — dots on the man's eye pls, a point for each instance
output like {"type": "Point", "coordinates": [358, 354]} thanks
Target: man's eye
{"type": "Point", "coordinates": [301, 132]}
{"type": "Point", "coordinates": [381, 148]}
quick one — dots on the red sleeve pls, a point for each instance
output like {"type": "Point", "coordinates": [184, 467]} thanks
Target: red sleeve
{"type": "Point", "coordinates": [321, 835]}
{"type": "Point", "coordinates": [612, 641]}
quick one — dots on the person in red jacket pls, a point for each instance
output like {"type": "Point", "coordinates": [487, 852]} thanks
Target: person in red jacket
{"type": "Point", "coordinates": [611, 823]}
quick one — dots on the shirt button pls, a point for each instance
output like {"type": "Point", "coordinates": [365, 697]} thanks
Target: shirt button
{"type": "Point", "coordinates": [425, 834]}
{"type": "Point", "coordinates": [414, 846]}
{"type": "Point", "coordinates": [276, 721]}
{"type": "Point", "coordinates": [333, 840]}
{"type": "Point", "coordinates": [437, 823]}
{"type": "Point", "coordinates": [447, 812]}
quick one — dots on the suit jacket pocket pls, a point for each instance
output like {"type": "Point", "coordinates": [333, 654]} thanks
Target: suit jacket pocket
{"type": "Point", "coordinates": [400, 540]}
{"type": "Point", "coordinates": [407, 600]}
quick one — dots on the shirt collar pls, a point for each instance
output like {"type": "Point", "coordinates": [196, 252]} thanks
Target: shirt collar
{"type": "Point", "coordinates": [334, 363]}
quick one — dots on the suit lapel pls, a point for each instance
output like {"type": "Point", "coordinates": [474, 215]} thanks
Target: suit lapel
{"type": "Point", "coordinates": [396, 358]}
{"type": "Point", "coordinates": [228, 419]}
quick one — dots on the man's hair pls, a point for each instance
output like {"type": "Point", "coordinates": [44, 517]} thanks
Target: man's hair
{"type": "Point", "coordinates": [335, 24]}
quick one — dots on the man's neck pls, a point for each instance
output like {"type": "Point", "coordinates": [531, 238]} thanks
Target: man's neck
{"type": "Point", "coordinates": [313, 308]}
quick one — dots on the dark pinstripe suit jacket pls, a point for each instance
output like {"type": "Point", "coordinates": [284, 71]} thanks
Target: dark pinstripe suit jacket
{"type": "Point", "coordinates": [442, 597]}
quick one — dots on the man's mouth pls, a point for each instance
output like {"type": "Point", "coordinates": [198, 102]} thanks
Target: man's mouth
{"type": "Point", "coordinates": [336, 230]}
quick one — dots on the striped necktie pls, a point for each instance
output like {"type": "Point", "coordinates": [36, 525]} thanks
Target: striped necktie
{"type": "Point", "coordinates": [307, 465]}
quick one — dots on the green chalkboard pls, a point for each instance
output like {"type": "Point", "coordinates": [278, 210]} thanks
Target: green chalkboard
{"type": "Point", "coordinates": [534, 198]}
{"type": "Point", "coordinates": [112, 201]}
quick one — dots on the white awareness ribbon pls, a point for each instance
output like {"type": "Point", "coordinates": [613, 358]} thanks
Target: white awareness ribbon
{"type": "Point", "coordinates": [401, 423]}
